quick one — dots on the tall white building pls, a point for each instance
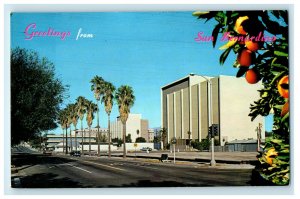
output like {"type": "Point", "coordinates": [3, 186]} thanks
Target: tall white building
{"type": "Point", "coordinates": [184, 106]}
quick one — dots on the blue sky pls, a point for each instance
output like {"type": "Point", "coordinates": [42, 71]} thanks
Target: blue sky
{"type": "Point", "coordinates": [145, 50]}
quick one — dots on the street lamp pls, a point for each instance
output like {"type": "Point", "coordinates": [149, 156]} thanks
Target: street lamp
{"type": "Point", "coordinates": [212, 161]}
{"type": "Point", "coordinates": [174, 141]}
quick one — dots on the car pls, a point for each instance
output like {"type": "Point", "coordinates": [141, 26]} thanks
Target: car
{"type": "Point", "coordinates": [146, 149]}
{"type": "Point", "coordinates": [46, 152]}
{"type": "Point", "coordinates": [75, 153]}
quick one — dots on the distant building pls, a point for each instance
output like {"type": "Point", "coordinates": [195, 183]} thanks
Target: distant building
{"type": "Point", "coordinates": [82, 137]}
{"type": "Point", "coordinates": [184, 108]}
{"type": "Point", "coordinates": [135, 126]}
{"type": "Point", "coordinates": [150, 135]}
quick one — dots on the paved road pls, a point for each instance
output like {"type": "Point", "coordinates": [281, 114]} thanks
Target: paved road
{"type": "Point", "coordinates": [37, 170]}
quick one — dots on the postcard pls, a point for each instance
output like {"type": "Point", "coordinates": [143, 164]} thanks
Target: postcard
{"type": "Point", "coordinates": [195, 98]}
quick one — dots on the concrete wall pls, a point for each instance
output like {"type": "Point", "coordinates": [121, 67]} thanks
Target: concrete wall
{"type": "Point", "coordinates": [235, 98]}
{"type": "Point", "coordinates": [181, 84]}
{"type": "Point", "coordinates": [144, 130]}
{"type": "Point", "coordinates": [203, 110]}
{"type": "Point", "coordinates": [130, 146]}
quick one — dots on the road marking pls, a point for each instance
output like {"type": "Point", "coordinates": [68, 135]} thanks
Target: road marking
{"type": "Point", "coordinates": [78, 168]}
{"type": "Point", "coordinates": [104, 165]}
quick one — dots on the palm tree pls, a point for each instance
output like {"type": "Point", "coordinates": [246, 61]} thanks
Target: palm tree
{"type": "Point", "coordinates": [107, 99]}
{"type": "Point", "coordinates": [91, 108]}
{"type": "Point", "coordinates": [81, 110]}
{"type": "Point", "coordinates": [65, 122]}
{"type": "Point", "coordinates": [74, 114]}
{"type": "Point", "coordinates": [125, 99]}
{"type": "Point", "coordinates": [70, 120]}
{"type": "Point", "coordinates": [97, 88]}
{"type": "Point", "coordinates": [163, 133]}
{"type": "Point", "coordinates": [62, 119]}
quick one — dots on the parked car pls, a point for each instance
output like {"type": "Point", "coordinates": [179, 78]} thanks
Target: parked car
{"type": "Point", "coordinates": [146, 149]}
{"type": "Point", "coordinates": [47, 152]}
{"type": "Point", "coordinates": [75, 153]}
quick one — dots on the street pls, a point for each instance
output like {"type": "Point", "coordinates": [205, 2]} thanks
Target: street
{"type": "Point", "coordinates": [42, 171]}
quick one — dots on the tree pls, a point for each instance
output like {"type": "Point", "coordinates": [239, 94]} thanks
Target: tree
{"type": "Point", "coordinates": [63, 121]}
{"type": "Point", "coordinates": [107, 99]}
{"type": "Point", "coordinates": [91, 108]}
{"type": "Point", "coordinates": [118, 141]}
{"type": "Point", "coordinates": [36, 95]}
{"type": "Point", "coordinates": [164, 132]}
{"type": "Point", "coordinates": [128, 138]}
{"type": "Point", "coordinates": [125, 100]}
{"type": "Point", "coordinates": [260, 41]}
{"type": "Point", "coordinates": [69, 109]}
{"type": "Point", "coordinates": [74, 115]}
{"type": "Point", "coordinates": [140, 140]}
{"type": "Point", "coordinates": [98, 88]}
{"type": "Point", "coordinates": [81, 111]}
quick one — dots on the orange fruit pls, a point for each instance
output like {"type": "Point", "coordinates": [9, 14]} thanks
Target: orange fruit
{"type": "Point", "coordinates": [283, 82]}
{"type": "Point", "coordinates": [270, 155]}
{"type": "Point", "coordinates": [252, 76]}
{"type": "Point", "coordinates": [239, 25]}
{"type": "Point", "coordinates": [269, 160]}
{"type": "Point", "coordinates": [253, 46]}
{"type": "Point", "coordinates": [245, 57]}
{"type": "Point", "coordinates": [285, 109]}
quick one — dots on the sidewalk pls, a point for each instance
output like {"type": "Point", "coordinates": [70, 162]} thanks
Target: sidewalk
{"type": "Point", "coordinates": [220, 157]}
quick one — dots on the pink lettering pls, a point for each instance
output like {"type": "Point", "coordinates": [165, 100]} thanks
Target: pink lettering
{"type": "Point", "coordinates": [30, 36]}
{"type": "Point", "coordinates": [30, 33]}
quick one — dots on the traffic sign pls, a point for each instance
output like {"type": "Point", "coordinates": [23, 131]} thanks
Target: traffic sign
{"type": "Point", "coordinates": [135, 145]}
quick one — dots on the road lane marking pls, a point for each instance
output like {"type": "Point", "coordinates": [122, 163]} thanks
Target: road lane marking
{"type": "Point", "coordinates": [78, 168]}
{"type": "Point", "coordinates": [104, 165]}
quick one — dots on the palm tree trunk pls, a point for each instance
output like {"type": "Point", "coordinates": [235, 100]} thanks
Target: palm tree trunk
{"type": "Point", "coordinates": [63, 140]}
{"type": "Point", "coordinates": [81, 137]}
{"type": "Point", "coordinates": [98, 126]}
{"type": "Point", "coordinates": [71, 145]}
{"type": "Point", "coordinates": [75, 139]}
{"type": "Point", "coordinates": [124, 140]}
{"type": "Point", "coordinates": [90, 141]}
{"type": "Point", "coordinates": [109, 138]}
{"type": "Point", "coordinates": [66, 139]}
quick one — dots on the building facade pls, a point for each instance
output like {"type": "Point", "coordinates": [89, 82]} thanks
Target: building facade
{"type": "Point", "coordinates": [135, 126]}
{"type": "Point", "coordinates": [184, 105]}
{"type": "Point", "coordinates": [77, 137]}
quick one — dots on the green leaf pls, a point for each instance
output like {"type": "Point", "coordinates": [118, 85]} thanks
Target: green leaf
{"type": "Point", "coordinates": [285, 117]}
{"type": "Point", "coordinates": [278, 107]}
{"type": "Point", "coordinates": [215, 33]}
{"type": "Point", "coordinates": [280, 53]}
{"type": "Point", "coordinates": [276, 141]}
{"type": "Point", "coordinates": [224, 55]}
{"type": "Point", "coordinates": [241, 71]}
{"type": "Point", "coordinates": [200, 14]}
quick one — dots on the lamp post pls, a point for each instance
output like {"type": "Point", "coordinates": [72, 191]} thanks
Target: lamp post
{"type": "Point", "coordinates": [209, 110]}
{"type": "Point", "coordinates": [174, 141]}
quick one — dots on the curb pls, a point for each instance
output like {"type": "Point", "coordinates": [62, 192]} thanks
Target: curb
{"type": "Point", "coordinates": [251, 162]}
